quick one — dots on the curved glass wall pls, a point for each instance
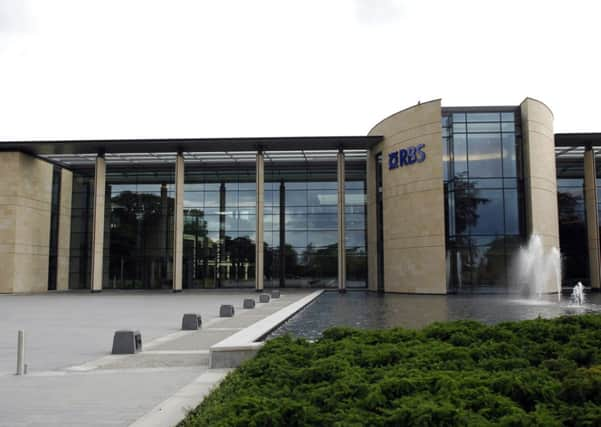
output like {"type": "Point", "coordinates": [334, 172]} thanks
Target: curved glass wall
{"type": "Point", "coordinates": [483, 196]}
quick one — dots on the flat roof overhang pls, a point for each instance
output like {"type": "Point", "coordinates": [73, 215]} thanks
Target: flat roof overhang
{"type": "Point", "coordinates": [191, 145]}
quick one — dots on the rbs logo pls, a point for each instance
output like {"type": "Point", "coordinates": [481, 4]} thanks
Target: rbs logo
{"type": "Point", "coordinates": [406, 156]}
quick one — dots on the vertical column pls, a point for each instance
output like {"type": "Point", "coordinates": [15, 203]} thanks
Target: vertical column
{"type": "Point", "coordinates": [341, 239]}
{"type": "Point", "coordinates": [259, 228]}
{"type": "Point", "coordinates": [592, 217]}
{"type": "Point", "coordinates": [178, 223]}
{"type": "Point", "coordinates": [282, 259]}
{"type": "Point", "coordinates": [98, 224]}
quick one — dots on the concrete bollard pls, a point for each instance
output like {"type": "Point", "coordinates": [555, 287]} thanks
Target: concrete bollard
{"type": "Point", "coordinates": [248, 303]}
{"type": "Point", "coordinates": [275, 293]}
{"type": "Point", "coordinates": [21, 353]}
{"type": "Point", "coordinates": [264, 298]}
{"type": "Point", "coordinates": [191, 322]}
{"type": "Point", "coordinates": [127, 342]}
{"type": "Point", "coordinates": [226, 310]}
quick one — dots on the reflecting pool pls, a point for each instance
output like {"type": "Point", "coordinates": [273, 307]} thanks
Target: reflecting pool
{"type": "Point", "coordinates": [370, 310]}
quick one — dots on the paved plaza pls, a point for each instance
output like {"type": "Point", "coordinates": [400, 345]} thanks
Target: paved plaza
{"type": "Point", "coordinates": [72, 378]}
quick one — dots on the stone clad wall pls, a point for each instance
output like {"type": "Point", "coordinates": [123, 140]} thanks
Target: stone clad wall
{"type": "Point", "coordinates": [413, 204]}
{"type": "Point", "coordinates": [540, 179]}
{"type": "Point", "coordinates": [25, 197]}
{"type": "Point", "coordinates": [64, 230]}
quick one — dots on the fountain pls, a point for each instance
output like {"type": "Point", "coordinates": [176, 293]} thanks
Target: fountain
{"type": "Point", "coordinates": [535, 272]}
{"type": "Point", "coordinates": [577, 294]}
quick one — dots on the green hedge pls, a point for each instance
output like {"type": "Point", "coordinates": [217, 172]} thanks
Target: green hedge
{"type": "Point", "coordinates": [529, 373]}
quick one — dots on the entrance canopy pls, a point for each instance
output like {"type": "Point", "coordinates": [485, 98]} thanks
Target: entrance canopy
{"type": "Point", "coordinates": [82, 153]}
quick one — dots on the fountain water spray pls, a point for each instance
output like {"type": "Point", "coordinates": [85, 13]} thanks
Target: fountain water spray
{"type": "Point", "coordinates": [578, 294]}
{"type": "Point", "coordinates": [535, 272]}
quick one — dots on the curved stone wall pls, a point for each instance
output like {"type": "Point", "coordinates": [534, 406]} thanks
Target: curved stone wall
{"type": "Point", "coordinates": [413, 202]}
{"type": "Point", "coordinates": [540, 179]}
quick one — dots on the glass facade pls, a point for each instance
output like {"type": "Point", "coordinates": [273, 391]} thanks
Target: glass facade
{"type": "Point", "coordinates": [301, 223]}
{"type": "Point", "coordinates": [82, 203]}
{"type": "Point", "coordinates": [219, 227]}
{"type": "Point", "coordinates": [484, 198]}
{"type": "Point", "coordinates": [572, 226]}
{"type": "Point", "coordinates": [300, 226]}
{"type": "Point", "coordinates": [138, 252]}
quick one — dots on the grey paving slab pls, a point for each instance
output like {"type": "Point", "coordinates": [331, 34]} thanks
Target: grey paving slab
{"type": "Point", "coordinates": [74, 381]}
{"type": "Point", "coordinates": [112, 398]}
{"type": "Point", "coordinates": [64, 329]}
{"type": "Point", "coordinates": [200, 340]}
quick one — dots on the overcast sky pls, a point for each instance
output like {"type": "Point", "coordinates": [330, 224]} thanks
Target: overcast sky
{"type": "Point", "coordinates": [218, 68]}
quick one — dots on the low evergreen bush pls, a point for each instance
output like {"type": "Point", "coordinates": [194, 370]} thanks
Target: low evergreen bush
{"type": "Point", "coordinates": [530, 373]}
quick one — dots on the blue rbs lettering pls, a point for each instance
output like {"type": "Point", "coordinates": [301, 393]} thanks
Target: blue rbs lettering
{"type": "Point", "coordinates": [406, 156]}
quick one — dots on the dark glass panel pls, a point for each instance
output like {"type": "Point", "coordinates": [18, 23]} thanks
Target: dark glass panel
{"type": "Point", "coordinates": [488, 215]}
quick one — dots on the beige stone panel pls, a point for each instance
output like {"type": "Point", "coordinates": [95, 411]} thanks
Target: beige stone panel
{"type": "Point", "coordinates": [413, 203]}
{"type": "Point", "coordinates": [64, 231]}
{"type": "Point", "coordinates": [592, 217]}
{"type": "Point", "coordinates": [7, 271]}
{"type": "Point", "coordinates": [36, 179]}
{"type": "Point", "coordinates": [372, 241]}
{"type": "Point", "coordinates": [415, 270]}
{"type": "Point", "coordinates": [31, 275]}
{"type": "Point", "coordinates": [540, 180]}
{"type": "Point", "coordinates": [7, 224]}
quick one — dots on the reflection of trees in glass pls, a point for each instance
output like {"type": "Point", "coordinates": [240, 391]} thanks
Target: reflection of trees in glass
{"type": "Point", "coordinates": [356, 263]}
{"type": "Point", "coordinates": [241, 254]}
{"type": "Point", "coordinates": [129, 212]}
{"type": "Point", "coordinates": [466, 203]}
{"type": "Point", "coordinates": [197, 226]}
{"type": "Point", "coordinates": [320, 263]}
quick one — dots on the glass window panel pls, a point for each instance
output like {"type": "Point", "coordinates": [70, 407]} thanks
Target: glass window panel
{"type": "Point", "coordinates": [296, 197]}
{"type": "Point", "coordinates": [487, 212]}
{"type": "Point", "coordinates": [322, 238]}
{"type": "Point", "coordinates": [507, 116]}
{"type": "Point", "coordinates": [212, 199]}
{"type": "Point", "coordinates": [193, 199]}
{"type": "Point", "coordinates": [247, 198]}
{"type": "Point", "coordinates": [322, 222]}
{"type": "Point", "coordinates": [354, 221]}
{"type": "Point", "coordinates": [354, 185]}
{"type": "Point", "coordinates": [272, 197]}
{"type": "Point", "coordinates": [458, 127]}
{"type": "Point", "coordinates": [322, 209]}
{"type": "Point", "coordinates": [509, 155]}
{"type": "Point", "coordinates": [484, 155]}
{"type": "Point", "coordinates": [296, 222]}
{"type": "Point", "coordinates": [296, 239]}
{"type": "Point", "coordinates": [460, 155]}
{"type": "Point", "coordinates": [296, 185]}
{"type": "Point", "coordinates": [298, 209]}
{"type": "Point", "coordinates": [483, 117]}
{"type": "Point", "coordinates": [512, 212]}
{"type": "Point", "coordinates": [247, 186]}
{"type": "Point", "coordinates": [445, 121]}
{"type": "Point", "coordinates": [322, 185]}
{"type": "Point", "coordinates": [483, 127]}
{"type": "Point", "coordinates": [458, 117]}
{"type": "Point", "coordinates": [354, 239]}
{"type": "Point", "coordinates": [322, 197]}
{"type": "Point", "coordinates": [508, 127]}
{"type": "Point", "coordinates": [487, 183]}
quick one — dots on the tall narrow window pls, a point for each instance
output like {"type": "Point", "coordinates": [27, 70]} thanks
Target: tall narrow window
{"type": "Point", "coordinates": [54, 224]}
